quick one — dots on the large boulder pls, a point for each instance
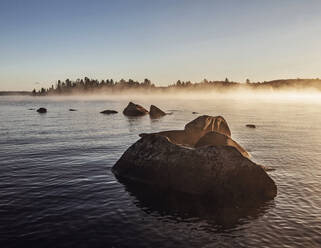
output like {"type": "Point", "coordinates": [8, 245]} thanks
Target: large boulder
{"type": "Point", "coordinates": [218, 172]}
{"type": "Point", "coordinates": [133, 109]}
{"type": "Point", "coordinates": [155, 112]}
{"type": "Point", "coordinates": [218, 139]}
{"type": "Point", "coordinates": [200, 160]}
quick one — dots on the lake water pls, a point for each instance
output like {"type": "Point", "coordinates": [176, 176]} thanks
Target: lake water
{"type": "Point", "coordinates": [57, 188]}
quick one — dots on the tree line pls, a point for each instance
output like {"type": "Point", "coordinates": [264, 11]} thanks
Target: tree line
{"type": "Point", "coordinates": [87, 85]}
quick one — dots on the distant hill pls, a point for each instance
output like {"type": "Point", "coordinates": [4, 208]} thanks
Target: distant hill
{"type": "Point", "coordinates": [298, 84]}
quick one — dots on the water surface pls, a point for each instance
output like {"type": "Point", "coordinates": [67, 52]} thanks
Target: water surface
{"type": "Point", "coordinates": [57, 188]}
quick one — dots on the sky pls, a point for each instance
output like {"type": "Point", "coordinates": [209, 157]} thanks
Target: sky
{"type": "Point", "coordinates": [42, 41]}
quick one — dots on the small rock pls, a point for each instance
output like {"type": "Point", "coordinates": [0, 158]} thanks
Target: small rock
{"type": "Point", "coordinates": [72, 109]}
{"type": "Point", "coordinates": [195, 113]}
{"type": "Point", "coordinates": [42, 110]}
{"type": "Point", "coordinates": [155, 112]}
{"type": "Point", "coordinates": [250, 126]}
{"type": "Point", "coordinates": [109, 112]}
{"type": "Point", "coordinates": [133, 109]}
{"type": "Point", "coordinates": [267, 168]}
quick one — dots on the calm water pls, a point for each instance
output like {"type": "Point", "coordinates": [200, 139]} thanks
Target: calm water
{"type": "Point", "coordinates": [57, 188]}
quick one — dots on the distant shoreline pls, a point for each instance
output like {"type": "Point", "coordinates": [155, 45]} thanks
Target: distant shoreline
{"type": "Point", "coordinates": [88, 86]}
{"type": "Point", "coordinates": [16, 93]}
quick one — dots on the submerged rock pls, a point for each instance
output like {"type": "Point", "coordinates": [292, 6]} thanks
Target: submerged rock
{"type": "Point", "coordinates": [133, 109]}
{"type": "Point", "coordinates": [267, 168]}
{"type": "Point", "coordinates": [219, 172]}
{"type": "Point", "coordinates": [250, 125]}
{"type": "Point", "coordinates": [155, 112]}
{"type": "Point", "coordinates": [108, 112]}
{"type": "Point", "coordinates": [42, 110]}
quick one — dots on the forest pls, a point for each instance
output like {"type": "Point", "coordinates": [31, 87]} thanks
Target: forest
{"type": "Point", "coordinates": [87, 85]}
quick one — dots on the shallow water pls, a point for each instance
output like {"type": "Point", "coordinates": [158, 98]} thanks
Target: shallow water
{"type": "Point", "coordinates": [57, 188]}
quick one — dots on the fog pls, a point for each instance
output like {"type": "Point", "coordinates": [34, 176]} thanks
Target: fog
{"type": "Point", "coordinates": [306, 95]}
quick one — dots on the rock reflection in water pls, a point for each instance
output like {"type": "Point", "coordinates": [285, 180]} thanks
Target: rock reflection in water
{"type": "Point", "coordinates": [182, 206]}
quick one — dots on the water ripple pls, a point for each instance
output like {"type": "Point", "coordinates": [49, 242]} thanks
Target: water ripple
{"type": "Point", "coordinates": [57, 188]}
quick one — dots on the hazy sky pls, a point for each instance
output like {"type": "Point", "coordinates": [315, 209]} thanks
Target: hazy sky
{"type": "Point", "coordinates": [42, 41]}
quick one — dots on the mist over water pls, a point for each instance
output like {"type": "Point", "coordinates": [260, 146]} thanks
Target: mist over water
{"type": "Point", "coordinates": [57, 189]}
{"type": "Point", "coordinates": [287, 94]}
